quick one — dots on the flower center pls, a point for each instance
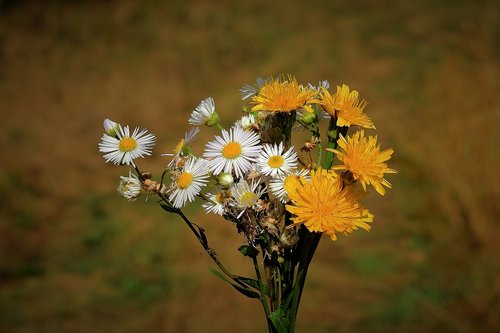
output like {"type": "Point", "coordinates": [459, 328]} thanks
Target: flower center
{"type": "Point", "coordinates": [184, 180]}
{"type": "Point", "coordinates": [248, 199]}
{"type": "Point", "coordinates": [127, 144]}
{"type": "Point", "coordinates": [276, 161]}
{"type": "Point", "coordinates": [231, 150]}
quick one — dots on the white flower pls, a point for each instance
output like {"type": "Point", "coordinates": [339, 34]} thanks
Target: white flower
{"type": "Point", "coordinates": [248, 90]}
{"type": "Point", "coordinates": [233, 152]}
{"type": "Point", "coordinates": [187, 183]}
{"type": "Point", "coordinates": [274, 162]}
{"type": "Point", "coordinates": [124, 148]}
{"type": "Point", "coordinates": [204, 114]}
{"type": "Point", "coordinates": [247, 196]}
{"type": "Point", "coordinates": [277, 185]}
{"type": "Point", "coordinates": [246, 122]}
{"type": "Point", "coordinates": [216, 202]}
{"type": "Point", "coordinates": [129, 187]}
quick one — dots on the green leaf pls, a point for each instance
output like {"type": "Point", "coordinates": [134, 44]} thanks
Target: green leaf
{"type": "Point", "coordinates": [248, 251]}
{"type": "Point", "coordinates": [252, 283]}
{"type": "Point", "coordinates": [247, 292]}
{"type": "Point", "coordinates": [279, 320]}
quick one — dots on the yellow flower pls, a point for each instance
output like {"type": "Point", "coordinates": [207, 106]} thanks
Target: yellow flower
{"type": "Point", "coordinates": [283, 94]}
{"type": "Point", "coordinates": [362, 157]}
{"type": "Point", "coordinates": [346, 106]}
{"type": "Point", "coordinates": [324, 205]}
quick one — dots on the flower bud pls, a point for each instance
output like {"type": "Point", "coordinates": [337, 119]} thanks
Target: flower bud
{"type": "Point", "coordinates": [110, 127]}
{"type": "Point", "coordinates": [226, 179]}
{"type": "Point", "coordinates": [308, 118]}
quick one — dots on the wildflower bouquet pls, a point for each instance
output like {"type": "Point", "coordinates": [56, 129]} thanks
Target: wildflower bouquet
{"type": "Point", "coordinates": [280, 198]}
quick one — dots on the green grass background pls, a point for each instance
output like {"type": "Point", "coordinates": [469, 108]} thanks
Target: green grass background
{"type": "Point", "coordinates": [75, 257]}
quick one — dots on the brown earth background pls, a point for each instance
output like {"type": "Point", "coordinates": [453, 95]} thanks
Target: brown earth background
{"type": "Point", "coordinates": [76, 257]}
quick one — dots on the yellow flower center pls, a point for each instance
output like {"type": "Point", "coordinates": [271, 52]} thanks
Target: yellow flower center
{"type": "Point", "coordinates": [231, 150]}
{"type": "Point", "coordinates": [127, 144]}
{"type": "Point", "coordinates": [276, 161]}
{"type": "Point", "coordinates": [248, 199]}
{"type": "Point", "coordinates": [184, 180]}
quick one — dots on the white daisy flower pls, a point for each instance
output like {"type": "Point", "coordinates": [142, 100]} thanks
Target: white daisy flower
{"type": "Point", "coordinates": [248, 90]}
{"type": "Point", "coordinates": [247, 196]}
{"type": "Point", "coordinates": [124, 148]}
{"type": "Point", "coordinates": [277, 185]}
{"type": "Point", "coordinates": [188, 182]}
{"type": "Point", "coordinates": [233, 152]}
{"type": "Point", "coordinates": [130, 187]}
{"type": "Point", "coordinates": [246, 122]}
{"type": "Point", "coordinates": [216, 202]}
{"type": "Point", "coordinates": [274, 162]}
{"type": "Point", "coordinates": [205, 114]}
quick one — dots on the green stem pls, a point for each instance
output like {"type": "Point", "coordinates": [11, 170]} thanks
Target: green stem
{"type": "Point", "coordinates": [310, 244]}
{"type": "Point", "coordinates": [261, 287]}
{"type": "Point", "coordinates": [219, 126]}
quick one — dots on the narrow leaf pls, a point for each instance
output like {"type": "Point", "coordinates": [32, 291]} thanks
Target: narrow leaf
{"type": "Point", "coordinates": [168, 208]}
{"type": "Point", "coordinates": [252, 283]}
{"type": "Point", "coordinates": [247, 292]}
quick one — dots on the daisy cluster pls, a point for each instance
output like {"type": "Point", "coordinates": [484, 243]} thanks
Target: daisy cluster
{"type": "Point", "coordinates": [252, 174]}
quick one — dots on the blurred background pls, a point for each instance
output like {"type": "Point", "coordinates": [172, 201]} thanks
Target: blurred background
{"type": "Point", "coordinates": [76, 257]}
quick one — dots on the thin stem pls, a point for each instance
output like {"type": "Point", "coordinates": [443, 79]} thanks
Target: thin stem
{"type": "Point", "coordinates": [209, 250]}
{"type": "Point", "coordinates": [219, 126]}
{"type": "Point", "coordinates": [202, 239]}
{"type": "Point", "coordinates": [261, 287]}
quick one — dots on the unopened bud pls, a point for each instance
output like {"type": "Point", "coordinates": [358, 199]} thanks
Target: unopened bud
{"type": "Point", "coordinates": [110, 127]}
{"type": "Point", "coordinates": [226, 179]}
{"type": "Point", "coordinates": [309, 118]}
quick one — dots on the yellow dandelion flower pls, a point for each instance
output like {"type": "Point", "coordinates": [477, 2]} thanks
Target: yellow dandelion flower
{"type": "Point", "coordinates": [283, 94]}
{"type": "Point", "coordinates": [362, 157]}
{"type": "Point", "coordinates": [346, 106]}
{"type": "Point", "coordinates": [323, 205]}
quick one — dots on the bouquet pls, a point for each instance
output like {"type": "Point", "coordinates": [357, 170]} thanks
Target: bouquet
{"type": "Point", "coordinates": [281, 193]}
